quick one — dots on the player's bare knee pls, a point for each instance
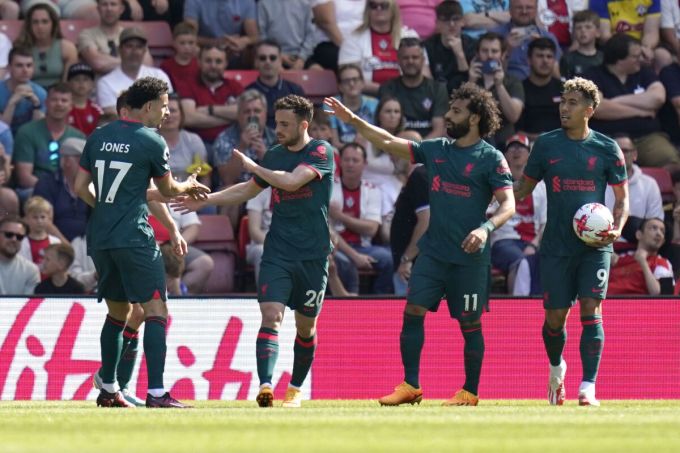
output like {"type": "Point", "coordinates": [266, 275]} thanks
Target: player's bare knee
{"type": "Point", "coordinates": [556, 318]}
{"type": "Point", "coordinates": [118, 310]}
{"type": "Point", "coordinates": [305, 326]}
{"type": "Point", "coordinates": [415, 310]}
{"type": "Point", "coordinates": [136, 317]}
{"type": "Point", "coordinates": [271, 317]}
{"type": "Point", "coordinates": [590, 306]}
{"type": "Point", "coordinates": [155, 307]}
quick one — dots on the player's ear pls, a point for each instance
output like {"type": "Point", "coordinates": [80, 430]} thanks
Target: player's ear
{"type": "Point", "coordinates": [638, 235]}
{"type": "Point", "coordinates": [474, 119]}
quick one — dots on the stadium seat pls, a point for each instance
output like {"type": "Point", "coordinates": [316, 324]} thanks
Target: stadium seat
{"type": "Point", "coordinates": [11, 28]}
{"type": "Point", "coordinates": [216, 237]}
{"type": "Point", "coordinates": [160, 38]}
{"type": "Point", "coordinates": [663, 179]}
{"type": "Point", "coordinates": [244, 77]}
{"type": "Point", "coordinates": [316, 84]}
{"type": "Point", "coordinates": [71, 29]}
{"type": "Point", "coordinates": [246, 272]}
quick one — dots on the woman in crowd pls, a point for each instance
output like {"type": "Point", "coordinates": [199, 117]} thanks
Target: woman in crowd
{"type": "Point", "coordinates": [373, 45]}
{"type": "Point", "coordinates": [52, 55]}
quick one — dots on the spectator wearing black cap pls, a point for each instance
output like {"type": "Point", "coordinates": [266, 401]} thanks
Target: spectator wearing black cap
{"type": "Point", "coordinates": [448, 50]}
{"type": "Point", "coordinates": [85, 113]}
{"type": "Point", "coordinates": [132, 49]}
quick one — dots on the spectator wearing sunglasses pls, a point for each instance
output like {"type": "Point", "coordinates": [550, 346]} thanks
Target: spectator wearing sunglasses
{"type": "Point", "coordinates": [269, 63]}
{"type": "Point", "coordinates": [37, 144]}
{"type": "Point", "coordinates": [52, 54]}
{"type": "Point", "coordinates": [373, 45]}
{"type": "Point", "coordinates": [21, 100]}
{"type": "Point", "coordinates": [18, 276]}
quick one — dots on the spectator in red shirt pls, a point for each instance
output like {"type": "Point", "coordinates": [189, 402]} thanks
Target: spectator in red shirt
{"type": "Point", "coordinates": [84, 113]}
{"type": "Point", "coordinates": [643, 271]}
{"type": "Point", "coordinates": [209, 100]}
{"type": "Point", "coordinates": [184, 64]}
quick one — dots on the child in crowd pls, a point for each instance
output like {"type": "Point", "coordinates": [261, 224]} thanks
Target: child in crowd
{"type": "Point", "coordinates": [57, 260]}
{"type": "Point", "coordinates": [84, 114]}
{"type": "Point", "coordinates": [38, 215]}
{"type": "Point", "coordinates": [585, 34]}
{"type": "Point", "coordinates": [184, 64]}
{"type": "Point", "coordinates": [320, 129]}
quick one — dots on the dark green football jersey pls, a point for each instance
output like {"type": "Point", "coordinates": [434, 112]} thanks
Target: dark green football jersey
{"type": "Point", "coordinates": [122, 157]}
{"type": "Point", "coordinates": [462, 182]}
{"type": "Point", "coordinates": [299, 228]}
{"type": "Point", "coordinates": [576, 172]}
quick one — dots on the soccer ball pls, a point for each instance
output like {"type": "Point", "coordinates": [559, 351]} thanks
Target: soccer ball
{"type": "Point", "coordinates": [593, 222]}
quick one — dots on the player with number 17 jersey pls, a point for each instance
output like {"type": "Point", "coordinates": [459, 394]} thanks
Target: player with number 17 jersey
{"type": "Point", "coordinates": [122, 158]}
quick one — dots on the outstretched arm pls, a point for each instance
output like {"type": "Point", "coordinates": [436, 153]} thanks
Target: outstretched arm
{"type": "Point", "coordinates": [236, 194]}
{"type": "Point", "coordinates": [288, 181]}
{"type": "Point", "coordinates": [380, 138]}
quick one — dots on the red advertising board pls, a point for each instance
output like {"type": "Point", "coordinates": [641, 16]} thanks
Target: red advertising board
{"type": "Point", "coordinates": [49, 349]}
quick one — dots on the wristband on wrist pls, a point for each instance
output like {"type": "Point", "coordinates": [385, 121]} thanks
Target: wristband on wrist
{"type": "Point", "coordinates": [211, 110]}
{"type": "Point", "coordinates": [489, 226]}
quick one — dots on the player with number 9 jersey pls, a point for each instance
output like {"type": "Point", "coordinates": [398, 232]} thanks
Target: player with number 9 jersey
{"type": "Point", "coordinates": [576, 163]}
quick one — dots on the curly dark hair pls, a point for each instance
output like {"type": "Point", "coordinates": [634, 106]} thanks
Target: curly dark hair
{"type": "Point", "coordinates": [482, 103]}
{"type": "Point", "coordinates": [587, 88]}
{"type": "Point", "coordinates": [301, 107]}
{"type": "Point", "coordinates": [145, 90]}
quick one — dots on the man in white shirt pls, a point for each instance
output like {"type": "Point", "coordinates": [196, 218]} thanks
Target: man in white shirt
{"type": "Point", "coordinates": [132, 49]}
{"type": "Point", "coordinates": [645, 195]}
{"type": "Point", "coordinates": [18, 276]}
{"type": "Point", "coordinates": [259, 220]}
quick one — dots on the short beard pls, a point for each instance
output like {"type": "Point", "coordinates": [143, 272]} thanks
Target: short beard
{"type": "Point", "coordinates": [458, 130]}
{"type": "Point", "coordinates": [293, 141]}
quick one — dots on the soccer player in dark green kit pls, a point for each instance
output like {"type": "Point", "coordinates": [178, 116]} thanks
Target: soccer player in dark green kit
{"type": "Point", "coordinates": [120, 159]}
{"type": "Point", "coordinates": [576, 163]}
{"type": "Point", "coordinates": [464, 174]}
{"type": "Point", "coordinates": [294, 268]}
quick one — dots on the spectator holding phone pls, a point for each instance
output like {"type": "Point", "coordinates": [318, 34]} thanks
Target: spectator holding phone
{"type": "Point", "coordinates": [486, 70]}
{"type": "Point", "coordinates": [249, 134]}
{"type": "Point", "coordinates": [519, 32]}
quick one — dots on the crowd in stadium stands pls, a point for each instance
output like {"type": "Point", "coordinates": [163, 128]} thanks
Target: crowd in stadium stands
{"type": "Point", "coordinates": [394, 63]}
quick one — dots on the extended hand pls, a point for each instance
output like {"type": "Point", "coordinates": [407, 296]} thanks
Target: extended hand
{"type": "Point", "coordinates": [338, 109]}
{"type": "Point", "coordinates": [185, 204]}
{"type": "Point", "coordinates": [475, 240]}
{"type": "Point", "coordinates": [249, 164]}
{"type": "Point", "coordinates": [196, 190]}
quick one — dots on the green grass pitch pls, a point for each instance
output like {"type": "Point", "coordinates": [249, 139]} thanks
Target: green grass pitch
{"type": "Point", "coordinates": [334, 426]}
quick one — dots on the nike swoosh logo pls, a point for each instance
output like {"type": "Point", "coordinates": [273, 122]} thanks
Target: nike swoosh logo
{"type": "Point", "coordinates": [439, 161]}
{"type": "Point", "coordinates": [554, 161]}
